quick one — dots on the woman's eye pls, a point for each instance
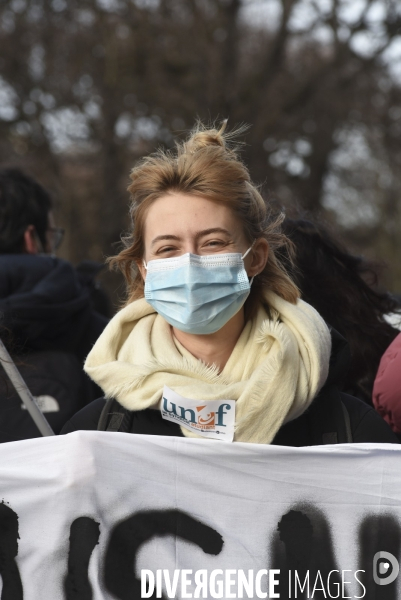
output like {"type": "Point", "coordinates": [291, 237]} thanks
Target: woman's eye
{"type": "Point", "coordinates": [165, 250]}
{"type": "Point", "coordinates": [214, 243]}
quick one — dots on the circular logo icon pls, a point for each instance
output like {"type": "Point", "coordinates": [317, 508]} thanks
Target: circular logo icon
{"type": "Point", "coordinates": [385, 568]}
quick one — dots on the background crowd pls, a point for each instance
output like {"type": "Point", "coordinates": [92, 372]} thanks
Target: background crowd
{"type": "Point", "coordinates": [87, 88]}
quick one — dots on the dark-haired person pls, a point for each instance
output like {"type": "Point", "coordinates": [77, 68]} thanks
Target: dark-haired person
{"type": "Point", "coordinates": [213, 326]}
{"type": "Point", "coordinates": [335, 282]}
{"type": "Point", "coordinates": [46, 316]}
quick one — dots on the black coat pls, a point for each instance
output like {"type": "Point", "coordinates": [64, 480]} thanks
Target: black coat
{"type": "Point", "coordinates": [366, 424]}
{"type": "Point", "coordinates": [322, 423]}
{"type": "Point", "coordinates": [49, 326]}
{"type": "Point", "coordinates": [45, 306]}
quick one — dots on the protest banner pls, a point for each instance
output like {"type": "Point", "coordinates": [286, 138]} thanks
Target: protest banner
{"type": "Point", "coordinates": [96, 515]}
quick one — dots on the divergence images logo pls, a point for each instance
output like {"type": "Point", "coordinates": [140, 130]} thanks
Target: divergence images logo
{"type": "Point", "coordinates": [385, 568]}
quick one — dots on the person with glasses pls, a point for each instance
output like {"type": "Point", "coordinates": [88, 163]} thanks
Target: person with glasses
{"type": "Point", "coordinates": [47, 320]}
{"type": "Point", "coordinates": [214, 340]}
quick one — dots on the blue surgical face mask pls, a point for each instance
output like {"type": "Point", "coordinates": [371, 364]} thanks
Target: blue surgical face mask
{"type": "Point", "coordinates": [197, 294]}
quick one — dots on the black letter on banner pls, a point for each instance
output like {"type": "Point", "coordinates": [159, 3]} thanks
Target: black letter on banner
{"type": "Point", "coordinates": [128, 536]}
{"type": "Point", "coordinates": [379, 533]}
{"type": "Point", "coordinates": [84, 535]}
{"type": "Point", "coordinates": [12, 585]}
{"type": "Point", "coordinates": [303, 545]}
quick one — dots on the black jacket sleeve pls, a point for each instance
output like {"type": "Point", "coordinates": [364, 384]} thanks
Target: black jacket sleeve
{"type": "Point", "coordinates": [366, 424]}
{"type": "Point", "coordinates": [85, 419]}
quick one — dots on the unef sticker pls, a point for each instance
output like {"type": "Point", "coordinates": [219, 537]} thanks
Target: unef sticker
{"type": "Point", "coordinates": [213, 418]}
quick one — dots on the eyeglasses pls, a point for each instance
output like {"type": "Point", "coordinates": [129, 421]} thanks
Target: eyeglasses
{"type": "Point", "coordinates": [56, 237]}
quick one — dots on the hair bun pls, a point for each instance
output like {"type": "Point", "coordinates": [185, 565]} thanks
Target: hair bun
{"type": "Point", "coordinates": [202, 137]}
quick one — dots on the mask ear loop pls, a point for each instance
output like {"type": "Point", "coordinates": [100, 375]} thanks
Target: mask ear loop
{"type": "Point", "coordinates": [145, 265]}
{"type": "Point", "coordinates": [245, 255]}
{"type": "Point", "coordinates": [248, 251]}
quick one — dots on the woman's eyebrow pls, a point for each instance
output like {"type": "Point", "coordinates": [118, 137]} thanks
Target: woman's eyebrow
{"type": "Point", "coordinates": [198, 235]}
{"type": "Point", "coordinates": [212, 230]}
{"type": "Point", "coordinates": [164, 237]}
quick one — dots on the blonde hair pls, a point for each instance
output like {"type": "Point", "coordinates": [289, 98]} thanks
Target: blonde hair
{"type": "Point", "coordinates": [207, 164]}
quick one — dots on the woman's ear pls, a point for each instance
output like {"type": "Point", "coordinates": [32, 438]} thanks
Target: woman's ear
{"type": "Point", "coordinates": [257, 257]}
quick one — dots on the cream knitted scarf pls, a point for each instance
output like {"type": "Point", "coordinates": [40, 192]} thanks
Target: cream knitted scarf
{"type": "Point", "coordinates": [275, 370]}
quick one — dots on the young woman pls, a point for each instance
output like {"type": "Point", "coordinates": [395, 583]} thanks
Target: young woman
{"type": "Point", "coordinates": [213, 316]}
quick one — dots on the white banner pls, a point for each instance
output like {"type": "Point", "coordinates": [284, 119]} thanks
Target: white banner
{"type": "Point", "coordinates": [96, 515]}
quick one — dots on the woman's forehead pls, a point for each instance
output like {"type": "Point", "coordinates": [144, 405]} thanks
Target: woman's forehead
{"type": "Point", "coordinates": [184, 214]}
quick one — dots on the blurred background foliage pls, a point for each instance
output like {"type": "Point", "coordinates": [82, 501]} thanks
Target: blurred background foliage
{"type": "Point", "coordinates": [89, 86]}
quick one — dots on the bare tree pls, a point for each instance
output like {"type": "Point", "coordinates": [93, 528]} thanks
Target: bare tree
{"type": "Point", "coordinates": [87, 87]}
